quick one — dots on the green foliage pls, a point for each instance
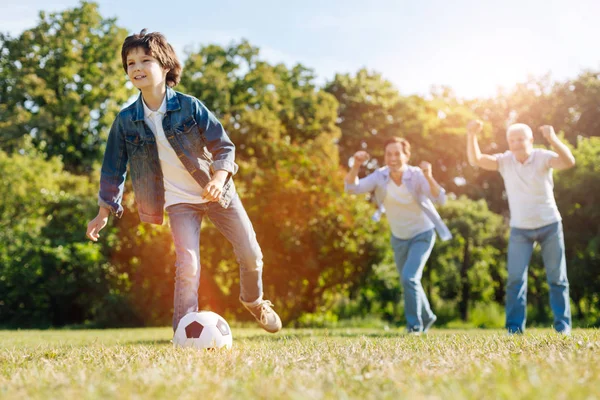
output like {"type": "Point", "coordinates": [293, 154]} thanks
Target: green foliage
{"type": "Point", "coordinates": [260, 104]}
{"type": "Point", "coordinates": [578, 197]}
{"type": "Point", "coordinates": [49, 273]}
{"type": "Point", "coordinates": [473, 261]}
{"type": "Point", "coordinates": [61, 84]}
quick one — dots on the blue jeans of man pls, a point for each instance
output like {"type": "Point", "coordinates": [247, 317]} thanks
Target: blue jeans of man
{"type": "Point", "coordinates": [520, 248]}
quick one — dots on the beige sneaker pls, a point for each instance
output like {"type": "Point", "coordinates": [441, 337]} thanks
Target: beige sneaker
{"type": "Point", "coordinates": [264, 314]}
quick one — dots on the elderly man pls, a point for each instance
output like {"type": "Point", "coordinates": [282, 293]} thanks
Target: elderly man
{"type": "Point", "coordinates": [534, 217]}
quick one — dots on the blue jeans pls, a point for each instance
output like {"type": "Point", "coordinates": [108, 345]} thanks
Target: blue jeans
{"type": "Point", "coordinates": [520, 247]}
{"type": "Point", "coordinates": [410, 256]}
{"type": "Point", "coordinates": [234, 224]}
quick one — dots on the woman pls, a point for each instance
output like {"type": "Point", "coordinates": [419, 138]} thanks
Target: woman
{"type": "Point", "coordinates": [406, 194]}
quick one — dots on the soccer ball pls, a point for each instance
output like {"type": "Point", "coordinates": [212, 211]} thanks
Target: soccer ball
{"type": "Point", "coordinates": [203, 330]}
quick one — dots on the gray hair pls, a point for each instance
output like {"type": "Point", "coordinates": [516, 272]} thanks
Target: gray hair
{"type": "Point", "coordinates": [524, 128]}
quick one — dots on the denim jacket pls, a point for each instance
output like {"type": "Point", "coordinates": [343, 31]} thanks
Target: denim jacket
{"type": "Point", "coordinates": [195, 134]}
{"type": "Point", "coordinates": [417, 185]}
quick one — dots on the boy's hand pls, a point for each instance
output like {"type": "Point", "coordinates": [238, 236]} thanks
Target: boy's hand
{"type": "Point", "coordinates": [96, 225]}
{"type": "Point", "coordinates": [214, 187]}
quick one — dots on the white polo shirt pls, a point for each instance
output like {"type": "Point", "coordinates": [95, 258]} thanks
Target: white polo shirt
{"type": "Point", "coordinates": [530, 189]}
{"type": "Point", "coordinates": [404, 215]}
{"type": "Point", "coordinates": [180, 186]}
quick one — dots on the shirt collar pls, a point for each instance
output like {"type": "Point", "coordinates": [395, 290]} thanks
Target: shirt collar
{"type": "Point", "coordinates": [161, 110]}
{"type": "Point", "coordinates": [527, 162]}
{"type": "Point", "coordinates": [407, 175]}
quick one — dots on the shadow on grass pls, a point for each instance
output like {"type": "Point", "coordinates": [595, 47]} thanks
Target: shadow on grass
{"type": "Point", "coordinates": [159, 342]}
{"type": "Point", "coordinates": [324, 334]}
{"type": "Point", "coordinates": [284, 337]}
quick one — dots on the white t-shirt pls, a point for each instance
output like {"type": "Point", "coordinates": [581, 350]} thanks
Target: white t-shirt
{"type": "Point", "coordinates": [405, 217]}
{"type": "Point", "coordinates": [530, 189]}
{"type": "Point", "coordinates": [180, 186]}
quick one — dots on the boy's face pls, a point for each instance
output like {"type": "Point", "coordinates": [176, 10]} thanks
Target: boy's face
{"type": "Point", "coordinates": [144, 71]}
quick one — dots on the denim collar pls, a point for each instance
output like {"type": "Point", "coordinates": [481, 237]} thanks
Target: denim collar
{"type": "Point", "coordinates": [172, 104]}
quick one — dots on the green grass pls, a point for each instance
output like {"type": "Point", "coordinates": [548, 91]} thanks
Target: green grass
{"type": "Point", "coordinates": [301, 364]}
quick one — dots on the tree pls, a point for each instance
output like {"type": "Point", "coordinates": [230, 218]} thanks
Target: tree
{"type": "Point", "coordinates": [61, 84]}
{"type": "Point", "coordinates": [577, 197]}
{"type": "Point", "coordinates": [50, 274]}
{"type": "Point", "coordinates": [366, 113]}
{"type": "Point", "coordinates": [259, 103]}
{"type": "Point", "coordinates": [474, 257]}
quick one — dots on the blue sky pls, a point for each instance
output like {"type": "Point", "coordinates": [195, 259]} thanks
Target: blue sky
{"type": "Point", "coordinates": [472, 46]}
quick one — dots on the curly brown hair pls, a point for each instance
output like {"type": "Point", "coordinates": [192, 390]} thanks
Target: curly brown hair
{"type": "Point", "coordinates": [154, 44]}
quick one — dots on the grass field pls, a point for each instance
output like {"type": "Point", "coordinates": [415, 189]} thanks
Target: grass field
{"type": "Point", "coordinates": [301, 364]}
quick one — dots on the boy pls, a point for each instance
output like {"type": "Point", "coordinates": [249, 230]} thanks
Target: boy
{"type": "Point", "coordinates": [182, 161]}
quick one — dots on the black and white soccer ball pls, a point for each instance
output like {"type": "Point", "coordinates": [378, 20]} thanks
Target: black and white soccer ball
{"type": "Point", "coordinates": [203, 330]}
